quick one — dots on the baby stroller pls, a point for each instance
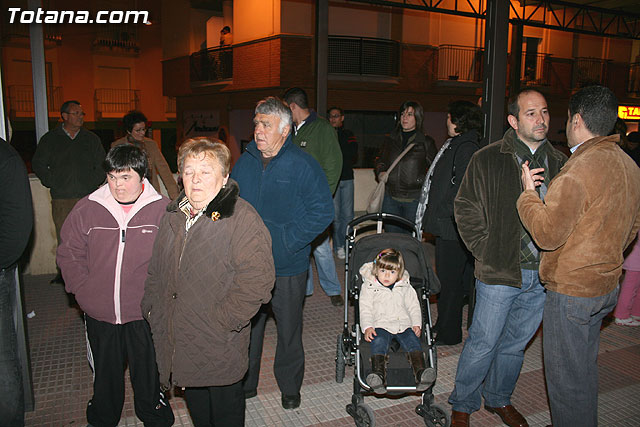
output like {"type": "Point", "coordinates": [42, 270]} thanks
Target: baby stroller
{"type": "Point", "coordinates": [352, 349]}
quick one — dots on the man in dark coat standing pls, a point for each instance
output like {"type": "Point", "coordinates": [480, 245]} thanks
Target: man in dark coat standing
{"type": "Point", "coordinates": [16, 222]}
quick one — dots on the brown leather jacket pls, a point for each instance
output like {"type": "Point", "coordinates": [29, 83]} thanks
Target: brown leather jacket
{"type": "Point", "coordinates": [203, 288]}
{"type": "Point", "coordinates": [405, 180]}
{"type": "Point", "coordinates": [589, 216]}
{"type": "Point", "coordinates": [157, 166]}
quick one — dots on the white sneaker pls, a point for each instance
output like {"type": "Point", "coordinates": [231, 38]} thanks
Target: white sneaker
{"type": "Point", "coordinates": [340, 253]}
{"type": "Point", "coordinates": [635, 317]}
{"type": "Point", "coordinates": [627, 322]}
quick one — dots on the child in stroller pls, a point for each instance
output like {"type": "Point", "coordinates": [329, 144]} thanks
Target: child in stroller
{"type": "Point", "coordinates": [389, 308]}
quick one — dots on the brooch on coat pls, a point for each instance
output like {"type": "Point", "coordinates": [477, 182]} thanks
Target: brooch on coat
{"type": "Point", "coordinates": [215, 216]}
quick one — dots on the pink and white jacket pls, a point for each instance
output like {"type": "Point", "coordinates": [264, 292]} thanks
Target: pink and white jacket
{"type": "Point", "coordinates": [104, 252]}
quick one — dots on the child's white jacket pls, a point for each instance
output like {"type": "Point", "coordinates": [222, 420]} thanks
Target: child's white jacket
{"type": "Point", "coordinates": [394, 310]}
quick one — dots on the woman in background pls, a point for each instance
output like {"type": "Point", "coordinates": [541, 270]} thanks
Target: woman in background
{"type": "Point", "coordinates": [135, 123]}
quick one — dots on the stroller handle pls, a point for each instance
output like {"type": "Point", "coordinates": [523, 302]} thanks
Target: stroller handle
{"type": "Point", "coordinates": [381, 217]}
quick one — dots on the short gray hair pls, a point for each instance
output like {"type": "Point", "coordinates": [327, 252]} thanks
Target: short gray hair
{"type": "Point", "coordinates": [272, 106]}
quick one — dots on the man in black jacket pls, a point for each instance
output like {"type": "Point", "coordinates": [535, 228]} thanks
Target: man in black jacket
{"type": "Point", "coordinates": [16, 222]}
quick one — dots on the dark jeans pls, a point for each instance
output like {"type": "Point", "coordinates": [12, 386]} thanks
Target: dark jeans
{"type": "Point", "coordinates": [407, 339]}
{"type": "Point", "coordinates": [216, 406]}
{"type": "Point", "coordinates": [11, 390]}
{"type": "Point", "coordinates": [571, 337]}
{"type": "Point", "coordinates": [454, 265]}
{"type": "Point", "coordinates": [288, 366]}
{"type": "Point", "coordinates": [404, 209]}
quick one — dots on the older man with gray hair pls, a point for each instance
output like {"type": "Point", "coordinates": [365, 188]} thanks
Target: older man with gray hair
{"type": "Point", "coordinates": [290, 192]}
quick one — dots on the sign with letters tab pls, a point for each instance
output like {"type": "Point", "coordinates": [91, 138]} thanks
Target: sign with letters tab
{"type": "Point", "coordinates": [629, 112]}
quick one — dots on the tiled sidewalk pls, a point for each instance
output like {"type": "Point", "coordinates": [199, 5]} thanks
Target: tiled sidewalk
{"type": "Point", "coordinates": [62, 377]}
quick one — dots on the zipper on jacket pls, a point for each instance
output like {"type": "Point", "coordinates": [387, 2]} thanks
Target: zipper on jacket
{"type": "Point", "coordinates": [123, 236]}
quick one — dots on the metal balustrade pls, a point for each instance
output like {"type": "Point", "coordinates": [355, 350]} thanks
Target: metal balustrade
{"type": "Point", "coordinates": [213, 64]}
{"type": "Point", "coordinates": [21, 99]}
{"type": "Point", "coordinates": [363, 56]}
{"type": "Point", "coordinates": [116, 101]}
{"type": "Point", "coordinates": [460, 63]}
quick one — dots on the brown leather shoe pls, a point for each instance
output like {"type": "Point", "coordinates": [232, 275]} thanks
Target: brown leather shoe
{"type": "Point", "coordinates": [459, 419]}
{"type": "Point", "coordinates": [510, 415]}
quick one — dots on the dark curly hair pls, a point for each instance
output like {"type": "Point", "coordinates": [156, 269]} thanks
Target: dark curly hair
{"type": "Point", "coordinates": [466, 116]}
{"type": "Point", "coordinates": [131, 118]}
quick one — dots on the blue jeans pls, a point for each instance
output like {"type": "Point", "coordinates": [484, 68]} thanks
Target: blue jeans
{"type": "Point", "coordinates": [504, 320]}
{"type": "Point", "coordinates": [407, 339]}
{"type": "Point", "coordinates": [326, 265]}
{"type": "Point", "coordinates": [404, 209]}
{"type": "Point", "coordinates": [570, 342]}
{"type": "Point", "coordinates": [343, 204]}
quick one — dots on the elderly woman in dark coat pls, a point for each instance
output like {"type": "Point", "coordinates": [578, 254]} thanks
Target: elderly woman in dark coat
{"type": "Point", "coordinates": [210, 272]}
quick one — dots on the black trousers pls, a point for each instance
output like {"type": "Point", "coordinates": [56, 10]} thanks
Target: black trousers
{"type": "Point", "coordinates": [11, 389]}
{"type": "Point", "coordinates": [454, 265]}
{"type": "Point", "coordinates": [288, 366]}
{"type": "Point", "coordinates": [111, 347]}
{"type": "Point", "coordinates": [216, 406]}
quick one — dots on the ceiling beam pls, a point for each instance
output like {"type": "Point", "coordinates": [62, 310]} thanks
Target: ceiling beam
{"type": "Point", "coordinates": [552, 14]}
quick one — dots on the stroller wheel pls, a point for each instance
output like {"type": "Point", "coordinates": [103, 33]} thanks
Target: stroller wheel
{"type": "Point", "coordinates": [362, 415]}
{"type": "Point", "coordinates": [340, 360]}
{"type": "Point", "coordinates": [434, 415]}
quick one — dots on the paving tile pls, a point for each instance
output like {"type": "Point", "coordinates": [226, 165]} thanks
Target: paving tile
{"type": "Point", "coordinates": [62, 378]}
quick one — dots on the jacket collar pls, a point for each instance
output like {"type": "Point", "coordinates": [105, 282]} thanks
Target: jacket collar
{"type": "Point", "coordinates": [252, 148]}
{"type": "Point", "coordinates": [312, 117]}
{"type": "Point", "coordinates": [222, 206]}
{"type": "Point", "coordinates": [104, 197]}
{"type": "Point", "coordinates": [595, 141]}
{"type": "Point", "coordinates": [508, 144]}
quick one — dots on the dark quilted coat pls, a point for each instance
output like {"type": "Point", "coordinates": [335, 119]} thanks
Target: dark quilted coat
{"type": "Point", "coordinates": [203, 288]}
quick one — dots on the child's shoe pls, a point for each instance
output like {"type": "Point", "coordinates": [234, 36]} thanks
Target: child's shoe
{"type": "Point", "coordinates": [629, 321]}
{"type": "Point", "coordinates": [424, 376]}
{"type": "Point", "coordinates": [377, 378]}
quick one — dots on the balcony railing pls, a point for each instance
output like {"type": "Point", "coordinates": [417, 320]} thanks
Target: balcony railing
{"type": "Point", "coordinates": [460, 63]}
{"type": "Point", "coordinates": [363, 56]}
{"type": "Point", "coordinates": [634, 78]}
{"type": "Point", "coordinates": [124, 36]}
{"type": "Point", "coordinates": [51, 33]}
{"type": "Point", "coordinates": [589, 71]}
{"type": "Point", "coordinates": [21, 100]}
{"type": "Point", "coordinates": [535, 69]}
{"type": "Point", "coordinates": [114, 103]}
{"type": "Point", "coordinates": [213, 64]}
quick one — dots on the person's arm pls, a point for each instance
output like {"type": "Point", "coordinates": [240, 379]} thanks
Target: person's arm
{"type": "Point", "coordinates": [98, 158]}
{"type": "Point", "coordinates": [352, 147]}
{"type": "Point", "coordinates": [551, 222]}
{"type": "Point", "coordinates": [16, 215]}
{"type": "Point", "coordinates": [156, 279]}
{"type": "Point", "coordinates": [318, 209]}
{"type": "Point", "coordinates": [73, 252]}
{"type": "Point", "coordinates": [469, 208]}
{"type": "Point", "coordinates": [163, 170]}
{"type": "Point", "coordinates": [366, 308]}
{"type": "Point", "coordinates": [40, 163]}
{"type": "Point", "coordinates": [412, 303]}
{"type": "Point", "coordinates": [254, 278]}
{"type": "Point", "coordinates": [332, 164]}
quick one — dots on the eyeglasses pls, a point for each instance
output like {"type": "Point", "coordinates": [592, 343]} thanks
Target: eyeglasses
{"type": "Point", "coordinates": [335, 116]}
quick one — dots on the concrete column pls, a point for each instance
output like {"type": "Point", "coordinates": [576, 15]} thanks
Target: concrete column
{"type": "Point", "coordinates": [322, 45]}
{"type": "Point", "coordinates": [39, 76]}
{"type": "Point", "coordinates": [495, 68]}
